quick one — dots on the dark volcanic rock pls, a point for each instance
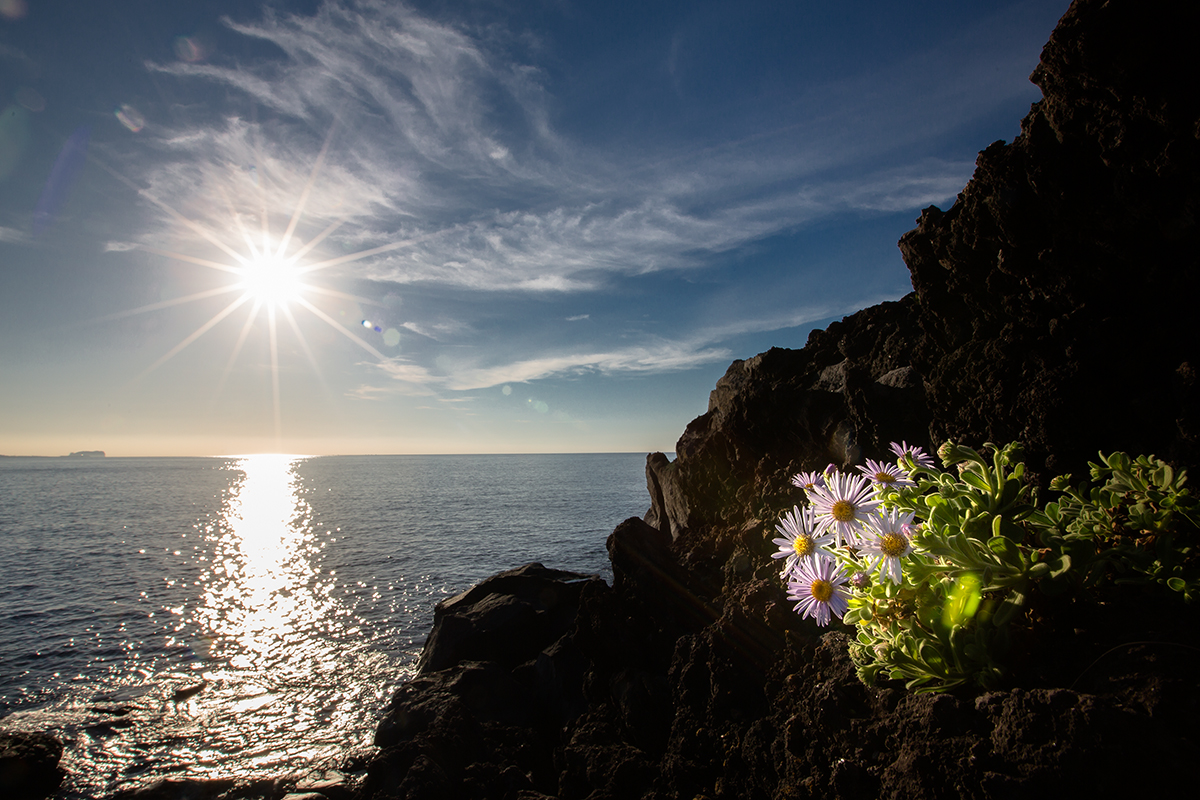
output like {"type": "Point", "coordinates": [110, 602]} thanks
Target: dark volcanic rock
{"type": "Point", "coordinates": [29, 767]}
{"type": "Point", "coordinates": [1052, 304]}
{"type": "Point", "coordinates": [505, 617]}
{"type": "Point", "coordinates": [1083, 233]}
{"type": "Point", "coordinates": [496, 680]}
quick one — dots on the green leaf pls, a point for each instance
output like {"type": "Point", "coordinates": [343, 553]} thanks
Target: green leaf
{"type": "Point", "coordinates": [928, 616]}
{"type": "Point", "coordinates": [976, 480]}
{"type": "Point", "coordinates": [1005, 613]}
{"type": "Point", "coordinates": [1009, 608]}
{"type": "Point", "coordinates": [1060, 566]}
{"type": "Point", "coordinates": [1004, 547]}
{"type": "Point", "coordinates": [963, 602]}
{"type": "Point", "coordinates": [1010, 492]}
{"type": "Point", "coordinates": [1003, 526]}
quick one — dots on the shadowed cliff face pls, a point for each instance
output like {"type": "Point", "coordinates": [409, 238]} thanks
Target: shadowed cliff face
{"type": "Point", "coordinates": [1052, 304]}
{"type": "Point", "coordinates": [1057, 294]}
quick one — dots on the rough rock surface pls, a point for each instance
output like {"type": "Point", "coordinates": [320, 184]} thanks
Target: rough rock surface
{"type": "Point", "coordinates": [319, 784]}
{"type": "Point", "coordinates": [1052, 304]}
{"type": "Point", "coordinates": [29, 765]}
{"type": "Point", "coordinates": [498, 679]}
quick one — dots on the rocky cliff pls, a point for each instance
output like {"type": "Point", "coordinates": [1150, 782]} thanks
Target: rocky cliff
{"type": "Point", "coordinates": [1052, 304]}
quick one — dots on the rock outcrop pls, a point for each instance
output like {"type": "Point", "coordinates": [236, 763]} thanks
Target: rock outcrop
{"type": "Point", "coordinates": [29, 767]}
{"type": "Point", "coordinates": [1052, 304]}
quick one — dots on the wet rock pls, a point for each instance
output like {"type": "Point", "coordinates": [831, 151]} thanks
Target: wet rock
{"type": "Point", "coordinates": [477, 728]}
{"type": "Point", "coordinates": [210, 789]}
{"type": "Point", "coordinates": [188, 690]}
{"type": "Point", "coordinates": [326, 784]}
{"type": "Point", "coordinates": [182, 789]}
{"type": "Point", "coordinates": [29, 767]}
{"type": "Point", "coordinates": [508, 618]}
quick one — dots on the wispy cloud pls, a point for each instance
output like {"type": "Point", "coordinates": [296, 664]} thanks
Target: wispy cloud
{"type": "Point", "coordinates": [13, 235]}
{"type": "Point", "coordinates": [14, 54]}
{"type": "Point", "coordinates": [653, 355]}
{"type": "Point", "coordinates": [419, 157]}
{"type": "Point", "coordinates": [659, 356]}
{"type": "Point", "coordinates": [441, 148]}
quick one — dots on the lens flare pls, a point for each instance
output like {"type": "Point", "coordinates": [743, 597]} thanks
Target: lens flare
{"type": "Point", "coordinates": [190, 49]}
{"type": "Point", "coordinates": [964, 600]}
{"type": "Point", "coordinates": [130, 117]}
{"type": "Point", "coordinates": [66, 170]}
{"type": "Point", "coordinates": [12, 9]}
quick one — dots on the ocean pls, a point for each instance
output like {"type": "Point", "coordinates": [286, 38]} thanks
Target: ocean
{"type": "Point", "coordinates": [251, 616]}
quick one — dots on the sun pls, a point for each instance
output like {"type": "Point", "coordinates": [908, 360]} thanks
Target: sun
{"type": "Point", "coordinates": [271, 281]}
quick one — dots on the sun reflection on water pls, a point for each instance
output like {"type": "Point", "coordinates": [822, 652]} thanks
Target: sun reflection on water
{"type": "Point", "coordinates": [262, 594]}
{"type": "Point", "coordinates": [281, 679]}
{"type": "Point", "coordinates": [269, 620]}
{"type": "Point", "coordinates": [269, 668]}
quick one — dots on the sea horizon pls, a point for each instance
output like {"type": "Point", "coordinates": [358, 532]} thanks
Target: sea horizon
{"type": "Point", "coordinates": [106, 455]}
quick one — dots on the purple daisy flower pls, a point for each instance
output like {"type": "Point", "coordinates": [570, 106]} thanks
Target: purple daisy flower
{"type": "Point", "coordinates": [801, 537]}
{"type": "Point", "coordinates": [843, 505]}
{"type": "Point", "coordinates": [885, 475]}
{"type": "Point", "coordinates": [887, 542]}
{"type": "Point", "coordinates": [919, 456]}
{"type": "Point", "coordinates": [817, 587]}
{"type": "Point", "coordinates": [807, 480]}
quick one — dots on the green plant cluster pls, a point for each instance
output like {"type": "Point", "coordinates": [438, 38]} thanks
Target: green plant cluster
{"type": "Point", "coordinates": [985, 545]}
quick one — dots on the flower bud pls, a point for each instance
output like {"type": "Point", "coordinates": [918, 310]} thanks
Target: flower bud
{"type": "Point", "coordinates": [951, 453]}
{"type": "Point", "coordinates": [1061, 483]}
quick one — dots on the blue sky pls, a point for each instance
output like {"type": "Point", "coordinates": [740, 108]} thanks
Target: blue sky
{"type": "Point", "coordinates": [375, 227]}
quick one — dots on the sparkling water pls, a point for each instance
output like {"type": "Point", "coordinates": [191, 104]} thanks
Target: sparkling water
{"type": "Point", "coordinates": [206, 617]}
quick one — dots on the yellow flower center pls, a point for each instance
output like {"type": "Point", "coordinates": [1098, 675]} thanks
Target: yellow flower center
{"type": "Point", "coordinates": [893, 545]}
{"type": "Point", "coordinates": [842, 511]}
{"type": "Point", "coordinates": [884, 477]}
{"type": "Point", "coordinates": [803, 546]}
{"type": "Point", "coordinates": [821, 590]}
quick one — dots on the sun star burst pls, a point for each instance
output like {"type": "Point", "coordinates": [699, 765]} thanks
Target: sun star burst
{"type": "Point", "coordinates": [271, 281]}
